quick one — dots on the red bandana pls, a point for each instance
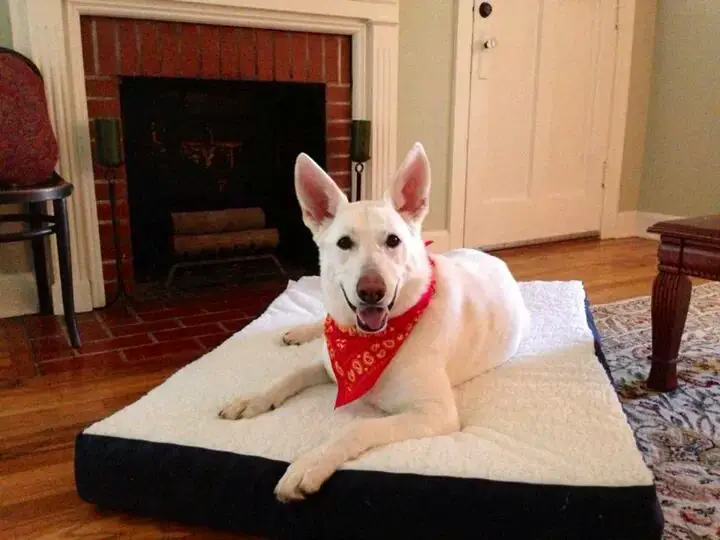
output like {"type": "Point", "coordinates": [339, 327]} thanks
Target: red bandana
{"type": "Point", "coordinates": [359, 359]}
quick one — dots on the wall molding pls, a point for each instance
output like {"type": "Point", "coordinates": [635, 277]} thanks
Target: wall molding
{"type": "Point", "coordinates": [82, 295]}
{"type": "Point", "coordinates": [460, 121]}
{"type": "Point", "coordinates": [625, 37]}
{"type": "Point", "coordinates": [48, 32]}
{"type": "Point", "coordinates": [635, 224]}
{"type": "Point", "coordinates": [19, 295]}
{"type": "Point", "coordinates": [625, 225]}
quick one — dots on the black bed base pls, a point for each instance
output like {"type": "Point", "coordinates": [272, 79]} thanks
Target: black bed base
{"type": "Point", "coordinates": [235, 492]}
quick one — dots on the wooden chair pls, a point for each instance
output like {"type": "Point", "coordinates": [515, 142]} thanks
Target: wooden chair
{"type": "Point", "coordinates": [28, 155]}
{"type": "Point", "coordinates": [40, 225]}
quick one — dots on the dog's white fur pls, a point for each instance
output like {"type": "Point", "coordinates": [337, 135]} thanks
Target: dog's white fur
{"type": "Point", "coordinates": [474, 323]}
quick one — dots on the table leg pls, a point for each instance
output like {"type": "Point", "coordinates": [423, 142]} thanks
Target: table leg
{"type": "Point", "coordinates": [670, 303]}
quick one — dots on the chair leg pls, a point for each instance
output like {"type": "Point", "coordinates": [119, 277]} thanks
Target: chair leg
{"type": "Point", "coordinates": [63, 244]}
{"type": "Point", "coordinates": [40, 262]}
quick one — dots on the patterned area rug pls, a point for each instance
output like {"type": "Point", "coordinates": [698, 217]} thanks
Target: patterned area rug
{"type": "Point", "coordinates": [677, 432]}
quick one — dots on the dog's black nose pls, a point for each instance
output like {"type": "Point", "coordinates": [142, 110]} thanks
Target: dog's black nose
{"type": "Point", "coordinates": [371, 288]}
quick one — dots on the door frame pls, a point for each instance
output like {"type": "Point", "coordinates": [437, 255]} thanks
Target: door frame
{"type": "Point", "coordinates": [625, 21]}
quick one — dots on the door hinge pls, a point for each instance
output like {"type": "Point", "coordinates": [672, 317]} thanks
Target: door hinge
{"type": "Point", "coordinates": [604, 173]}
{"type": "Point", "coordinates": [617, 15]}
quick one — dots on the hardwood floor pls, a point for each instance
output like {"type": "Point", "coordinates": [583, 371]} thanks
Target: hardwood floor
{"type": "Point", "coordinates": [41, 409]}
{"type": "Point", "coordinates": [611, 270]}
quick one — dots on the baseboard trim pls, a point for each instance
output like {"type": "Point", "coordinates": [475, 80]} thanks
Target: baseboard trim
{"type": "Point", "coordinates": [82, 295]}
{"type": "Point", "coordinates": [635, 224]}
{"type": "Point", "coordinates": [647, 219]}
{"type": "Point", "coordinates": [19, 295]}
{"type": "Point", "coordinates": [625, 225]}
{"type": "Point", "coordinates": [440, 240]}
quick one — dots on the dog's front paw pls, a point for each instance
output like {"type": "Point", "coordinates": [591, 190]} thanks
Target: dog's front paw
{"type": "Point", "coordinates": [304, 476]}
{"type": "Point", "coordinates": [246, 407]}
{"type": "Point", "coordinates": [290, 338]}
{"type": "Point", "coordinates": [299, 335]}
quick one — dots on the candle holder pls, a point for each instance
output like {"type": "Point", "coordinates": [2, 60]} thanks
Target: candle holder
{"type": "Point", "coordinates": [360, 141]}
{"type": "Point", "coordinates": [109, 155]}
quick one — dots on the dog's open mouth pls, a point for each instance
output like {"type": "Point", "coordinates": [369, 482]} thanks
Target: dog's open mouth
{"type": "Point", "coordinates": [372, 318]}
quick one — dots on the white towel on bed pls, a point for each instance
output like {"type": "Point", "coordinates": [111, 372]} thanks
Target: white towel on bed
{"type": "Point", "coordinates": [549, 416]}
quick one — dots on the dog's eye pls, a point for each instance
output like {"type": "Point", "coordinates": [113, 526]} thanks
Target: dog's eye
{"type": "Point", "coordinates": [392, 241]}
{"type": "Point", "coordinates": [345, 243]}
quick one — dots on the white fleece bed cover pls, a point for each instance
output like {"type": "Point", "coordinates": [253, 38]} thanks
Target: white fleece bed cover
{"type": "Point", "coordinates": [549, 416]}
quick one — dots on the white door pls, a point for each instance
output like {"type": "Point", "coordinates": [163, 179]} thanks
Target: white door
{"type": "Point", "coordinates": [541, 89]}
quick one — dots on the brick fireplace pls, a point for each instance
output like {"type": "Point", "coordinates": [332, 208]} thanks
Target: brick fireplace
{"type": "Point", "coordinates": [51, 32]}
{"type": "Point", "coordinates": [116, 48]}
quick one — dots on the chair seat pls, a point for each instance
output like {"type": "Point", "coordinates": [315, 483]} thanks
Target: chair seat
{"type": "Point", "coordinates": [54, 188]}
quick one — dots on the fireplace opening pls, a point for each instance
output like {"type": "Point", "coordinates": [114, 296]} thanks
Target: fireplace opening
{"type": "Point", "coordinates": [210, 174]}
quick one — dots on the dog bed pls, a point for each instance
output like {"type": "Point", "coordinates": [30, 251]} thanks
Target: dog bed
{"type": "Point", "coordinates": [545, 451]}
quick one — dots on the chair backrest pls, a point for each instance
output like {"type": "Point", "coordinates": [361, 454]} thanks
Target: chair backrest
{"type": "Point", "coordinates": [28, 148]}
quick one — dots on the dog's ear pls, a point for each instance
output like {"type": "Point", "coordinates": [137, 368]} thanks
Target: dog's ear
{"type": "Point", "coordinates": [318, 195]}
{"type": "Point", "coordinates": [410, 190]}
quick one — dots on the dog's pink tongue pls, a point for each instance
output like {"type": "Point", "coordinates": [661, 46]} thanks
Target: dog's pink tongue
{"type": "Point", "coordinates": [373, 318]}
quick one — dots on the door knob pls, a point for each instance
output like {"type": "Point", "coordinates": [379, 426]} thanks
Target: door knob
{"type": "Point", "coordinates": [485, 9]}
{"type": "Point", "coordinates": [490, 43]}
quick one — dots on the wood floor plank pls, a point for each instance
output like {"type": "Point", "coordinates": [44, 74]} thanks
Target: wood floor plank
{"type": "Point", "coordinates": [41, 414]}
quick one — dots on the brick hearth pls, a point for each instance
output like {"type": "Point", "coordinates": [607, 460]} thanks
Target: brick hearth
{"type": "Point", "coordinates": [113, 48]}
{"type": "Point", "coordinates": [163, 333]}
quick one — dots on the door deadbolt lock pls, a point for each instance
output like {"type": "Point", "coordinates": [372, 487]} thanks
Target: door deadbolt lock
{"type": "Point", "coordinates": [485, 9]}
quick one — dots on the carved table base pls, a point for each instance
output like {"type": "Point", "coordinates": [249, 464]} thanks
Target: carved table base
{"type": "Point", "coordinates": [688, 247]}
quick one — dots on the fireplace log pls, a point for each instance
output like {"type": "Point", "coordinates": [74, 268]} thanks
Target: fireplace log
{"type": "Point", "coordinates": [243, 241]}
{"type": "Point", "coordinates": [218, 221]}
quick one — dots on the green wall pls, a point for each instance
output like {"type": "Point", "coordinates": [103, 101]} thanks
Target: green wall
{"type": "Point", "coordinates": [425, 78]}
{"type": "Point", "coordinates": [681, 168]}
{"type": "Point", "coordinates": [638, 99]}
{"type": "Point", "coordinates": [671, 159]}
{"type": "Point", "coordinates": [5, 33]}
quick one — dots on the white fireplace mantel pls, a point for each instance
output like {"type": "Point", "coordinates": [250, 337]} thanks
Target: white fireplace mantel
{"type": "Point", "coordinates": [48, 32]}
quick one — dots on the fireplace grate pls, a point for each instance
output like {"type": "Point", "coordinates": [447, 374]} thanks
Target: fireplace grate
{"type": "Point", "coordinates": [229, 236]}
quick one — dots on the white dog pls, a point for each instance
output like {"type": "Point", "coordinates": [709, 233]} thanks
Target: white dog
{"type": "Point", "coordinates": [375, 270]}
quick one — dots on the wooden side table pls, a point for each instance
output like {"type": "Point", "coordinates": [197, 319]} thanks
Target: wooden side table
{"type": "Point", "coordinates": [688, 247]}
